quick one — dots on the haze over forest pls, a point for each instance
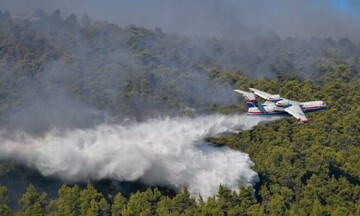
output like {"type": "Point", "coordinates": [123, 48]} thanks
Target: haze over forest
{"type": "Point", "coordinates": [135, 95]}
{"type": "Point", "coordinates": [211, 18]}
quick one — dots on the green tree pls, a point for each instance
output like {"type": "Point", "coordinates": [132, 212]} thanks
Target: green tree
{"type": "Point", "coordinates": [4, 208]}
{"type": "Point", "coordinates": [184, 203]}
{"type": "Point", "coordinates": [277, 205]}
{"type": "Point", "coordinates": [68, 202]}
{"type": "Point", "coordinates": [32, 202]}
{"type": "Point", "coordinates": [165, 207]}
{"type": "Point", "coordinates": [118, 205]}
{"type": "Point", "coordinates": [226, 200]}
{"type": "Point", "coordinates": [138, 204]}
{"type": "Point", "coordinates": [209, 208]}
{"type": "Point", "coordinates": [92, 202]}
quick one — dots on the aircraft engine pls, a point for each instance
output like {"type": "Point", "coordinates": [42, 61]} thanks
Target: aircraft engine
{"type": "Point", "coordinates": [282, 103]}
{"type": "Point", "coordinates": [273, 97]}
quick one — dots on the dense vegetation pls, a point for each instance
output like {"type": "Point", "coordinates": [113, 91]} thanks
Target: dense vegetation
{"type": "Point", "coordinates": [310, 169]}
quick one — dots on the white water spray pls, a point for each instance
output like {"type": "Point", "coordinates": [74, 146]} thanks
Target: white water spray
{"type": "Point", "coordinates": [167, 152]}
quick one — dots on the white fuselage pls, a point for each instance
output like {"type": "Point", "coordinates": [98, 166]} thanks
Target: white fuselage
{"type": "Point", "coordinates": [278, 107]}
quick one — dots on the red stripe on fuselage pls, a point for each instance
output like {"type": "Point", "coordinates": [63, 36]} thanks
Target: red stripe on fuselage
{"type": "Point", "coordinates": [255, 112]}
{"type": "Point", "coordinates": [282, 112]}
{"type": "Point", "coordinates": [253, 101]}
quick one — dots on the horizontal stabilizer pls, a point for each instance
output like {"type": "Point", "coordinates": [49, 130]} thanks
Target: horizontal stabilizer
{"type": "Point", "coordinates": [249, 97]}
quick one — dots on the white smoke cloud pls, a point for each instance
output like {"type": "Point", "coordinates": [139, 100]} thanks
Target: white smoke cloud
{"type": "Point", "coordinates": [168, 152]}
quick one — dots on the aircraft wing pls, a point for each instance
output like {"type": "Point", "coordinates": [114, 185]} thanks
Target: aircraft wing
{"type": "Point", "coordinates": [262, 94]}
{"type": "Point", "coordinates": [248, 95]}
{"type": "Point", "coordinates": [296, 111]}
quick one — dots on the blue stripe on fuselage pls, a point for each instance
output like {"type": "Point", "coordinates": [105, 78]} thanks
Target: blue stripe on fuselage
{"type": "Point", "coordinates": [250, 104]}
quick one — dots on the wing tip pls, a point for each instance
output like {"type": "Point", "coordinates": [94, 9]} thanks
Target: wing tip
{"type": "Point", "coordinates": [303, 121]}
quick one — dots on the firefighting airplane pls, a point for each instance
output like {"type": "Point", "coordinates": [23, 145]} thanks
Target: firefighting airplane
{"type": "Point", "coordinates": [275, 104]}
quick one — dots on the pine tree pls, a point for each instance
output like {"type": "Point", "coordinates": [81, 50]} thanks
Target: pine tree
{"type": "Point", "coordinates": [165, 207]}
{"type": "Point", "coordinates": [92, 202]}
{"type": "Point", "coordinates": [4, 208]}
{"type": "Point", "coordinates": [68, 202]}
{"type": "Point", "coordinates": [32, 202]}
{"type": "Point", "coordinates": [118, 205]}
{"type": "Point", "coordinates": [137, 205]}
{"type": "Point", "coordinates": [184, 203]}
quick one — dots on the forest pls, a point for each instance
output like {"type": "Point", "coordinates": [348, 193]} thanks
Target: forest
{"type": "Point", "coordinates": [76, 73]}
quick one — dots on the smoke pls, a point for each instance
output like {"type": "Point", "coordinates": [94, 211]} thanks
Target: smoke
{"type": "Point", "coordinates": [40, 115]}
{"type": "Point", "coordinates": [166, 152]}
{"type": "Point", "coordinates": [212, 18]}
{"type": "Point", "coordinates": [77, 74]}
{"type": "Point", "coordinates": [258, 38]}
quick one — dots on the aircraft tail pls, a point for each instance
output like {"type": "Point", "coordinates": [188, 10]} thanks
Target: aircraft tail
{"type": "Point", "coordinates": [249, 98]}
{"type": "Point", "coordinates": [253, 106]}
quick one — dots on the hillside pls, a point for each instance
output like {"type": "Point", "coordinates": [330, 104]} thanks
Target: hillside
{"type": "Point", "coordinates": [74, 73]}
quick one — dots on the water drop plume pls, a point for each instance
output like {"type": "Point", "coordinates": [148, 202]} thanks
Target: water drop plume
{"type": "Point", "coordinates": [167, 152]}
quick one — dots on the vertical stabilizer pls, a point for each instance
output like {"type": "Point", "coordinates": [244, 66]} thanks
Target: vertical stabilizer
{"type": "Point", "coordinates": [249, 98]}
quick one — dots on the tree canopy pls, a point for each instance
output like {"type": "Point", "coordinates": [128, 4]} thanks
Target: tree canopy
{"type": "Point", "coordinates": [69, 65]}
